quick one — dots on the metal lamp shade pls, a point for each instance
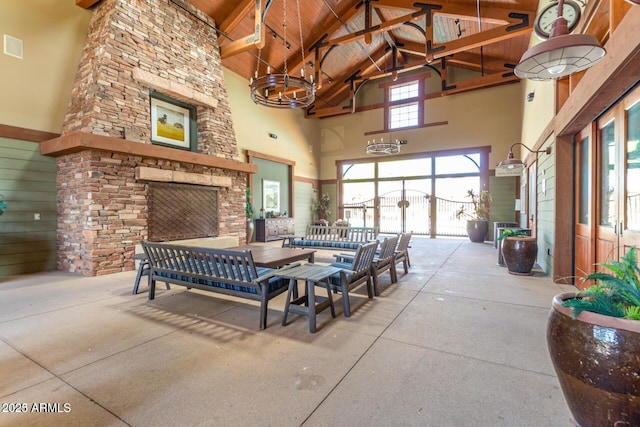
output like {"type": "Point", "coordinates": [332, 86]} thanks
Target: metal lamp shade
{"type": "Point", "coordinates": [559, 57]}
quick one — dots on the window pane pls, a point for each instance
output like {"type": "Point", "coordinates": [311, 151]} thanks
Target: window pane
{"type": "Point", "coordinates": [401, 168]}
{"type": "Point", "coordinates": [607, 175]}
{"type": "Point", "coordinates": [583, 177]}
{"type": "Point", "coordinates": [403, 91]}
{"type": "Point", "coordinates": [633, 168]}
{"type": "Point", "coordinates": [469, 163]}
{"type": "Point", "coordinates": [358, 171]}
{"type": "Point", "coordinates": [403, 116]}
{"type": "Point", "coordinates": [357, 201]}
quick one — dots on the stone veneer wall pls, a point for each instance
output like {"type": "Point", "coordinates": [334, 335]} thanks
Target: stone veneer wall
{"type": "Point", "coordinates": [133, 47]}
{"type": "Point", "coordinates": [105, 211]}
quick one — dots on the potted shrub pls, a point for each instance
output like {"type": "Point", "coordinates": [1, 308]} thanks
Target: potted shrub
{"type": "Point", "coordinates": [594, 340]}
{"type": "Point", "coordinates": [321, 207]}
{"type": "Point", "coordinates": [519, 251]}
{"type": "Point", "coordinates": [249, 215]}
{"type": "Point", "coordinates": [3, 204]}
{"type": "Point", "coordinates": [478, 217]}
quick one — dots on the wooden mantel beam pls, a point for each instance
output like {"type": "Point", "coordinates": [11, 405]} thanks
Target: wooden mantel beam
{"type": "Point", "coordinates": [86, 3]}
{"type": "Point", "coordinates": [81, 141]}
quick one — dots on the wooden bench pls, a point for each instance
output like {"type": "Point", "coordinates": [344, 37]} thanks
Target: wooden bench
{"type": "Point", "coordinates": [225, 271]}
{"type": "Point", "coordinates": [333, 237]}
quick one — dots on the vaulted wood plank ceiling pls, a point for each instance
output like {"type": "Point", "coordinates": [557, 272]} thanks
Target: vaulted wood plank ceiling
{"type": "Point", "coordinates": [349, 42]}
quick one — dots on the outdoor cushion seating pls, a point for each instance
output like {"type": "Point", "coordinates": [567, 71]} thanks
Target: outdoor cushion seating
{"type": "Point", "coordinates": [230, 272]}
{"type": "Point", "coordinates": [354, 274]}
{"type": "Point", "coordinates": [402, 252]}
{"type": "Point", "coordinates": [383, 260]}
{"type": "Point", "coordinates": [333, 237]}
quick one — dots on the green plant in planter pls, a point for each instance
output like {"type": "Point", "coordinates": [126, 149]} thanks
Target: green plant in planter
{"type": "Point", "coordinates": [593, 338]}
{"type": "Point", "coordinates": [248, 207]}
{"type": "Point", "coordinates": [477, 218]}
{"type": "Point", "coordinates": [615, 294]}
{"type": "Point", "coordinates": [513, 232]}
{"type": "Point", "coordinates": [322, 206]}
{"type": "Point", "coordinates": [3, 204]}
{"type": "Point", "coordinates": [480, 203]}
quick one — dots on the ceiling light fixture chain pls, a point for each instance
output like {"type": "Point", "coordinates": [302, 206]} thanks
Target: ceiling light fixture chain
{"type": "Point", "coordinates": [302, 51]}
{"type": "Point", "coordinates": [284, 36]}
{"type": "Point", "coordinates": [283, 90]}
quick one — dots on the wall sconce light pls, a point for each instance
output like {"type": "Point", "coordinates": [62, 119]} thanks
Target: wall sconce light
{"type": "Point", "coordinates": [562, 54]}
{"type": "Point", "coordinates": [512, 164]}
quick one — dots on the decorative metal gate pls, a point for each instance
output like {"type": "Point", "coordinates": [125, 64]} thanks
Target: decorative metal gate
{"type": "Point", "coordinates": [409, 210]}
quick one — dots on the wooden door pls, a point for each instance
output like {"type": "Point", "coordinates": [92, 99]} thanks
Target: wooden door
{"type": "Point", "coordinates": [584, 206]}
{"type": "Point", "coordinates": [618, 182]}
{"type": "Point", "coordinates": [607, 189]}
{"type": "Point", "coordinates": [629, 221]}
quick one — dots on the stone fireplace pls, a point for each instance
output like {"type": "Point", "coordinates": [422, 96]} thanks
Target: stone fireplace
{"type": "Point", "coordinates": [106, 160]}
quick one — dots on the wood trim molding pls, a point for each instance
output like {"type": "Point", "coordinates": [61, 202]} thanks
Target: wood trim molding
{"type": "Point", "coordinates": [86, 3]}
{"type": "Point", "coordinates": [80, 141]}
{"type": "Point", "coordinates": [315, 183]}
{"type": "Point", "coordinates": [254, 154]}
{"type": "Point", "coordinates": [24, 134]}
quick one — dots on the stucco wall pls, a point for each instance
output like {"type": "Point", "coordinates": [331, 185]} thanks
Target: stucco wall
{"type": "Point", "coordinates": [36, 89]}
{"type": "Point", "coordinates": [298, 138]}
{"type": "Point", "coordinates": [479, 118]}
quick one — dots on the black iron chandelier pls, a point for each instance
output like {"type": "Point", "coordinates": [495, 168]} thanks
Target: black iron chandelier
{"type": "Point", "coordinates": [280, 90]}
{"type": "Point", "coordinates": [381, 147]}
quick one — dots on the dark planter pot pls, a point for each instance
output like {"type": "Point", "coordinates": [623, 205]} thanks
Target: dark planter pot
{"type": "Point", "coordinates": [596, 360]}
{"type": "Point", "coordinates": [520, 254]}
{"type": "Point", "coordinates": [477, 229]}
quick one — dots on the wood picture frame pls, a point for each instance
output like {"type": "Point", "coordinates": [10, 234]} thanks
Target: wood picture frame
{"type": "Point", "coordinates": [173, 123]}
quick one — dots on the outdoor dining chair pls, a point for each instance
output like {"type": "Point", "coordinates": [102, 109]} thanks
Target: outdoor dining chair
{"type": "Point", "coordinates": [383, 261]}
{"type": "Point", "coordinates": [355, 274]}
{"type": "Point", "coordinates": [402, 252]}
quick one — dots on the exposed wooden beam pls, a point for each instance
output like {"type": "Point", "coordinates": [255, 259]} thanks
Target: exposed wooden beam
{"type": "Point", "coordinates": [482, 82]}
{"type": "Point", "coordinates": [86, 3]}
{"type": "Point", "coordinates": [383, 27]}
{"type": "Point", "coordinates": [246, 43]}
{"type": "Point", "coordinates": [483, 38]}
{"type": "Point", "coordinates": [475, 62]}
{"type": "Point", "coordinates": [232, 20]}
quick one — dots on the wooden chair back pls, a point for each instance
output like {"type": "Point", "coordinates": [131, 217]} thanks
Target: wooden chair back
{"type": "Point", "coordinates": [385, 261]}
{"type": "Point", "coordinates": [402, 251]}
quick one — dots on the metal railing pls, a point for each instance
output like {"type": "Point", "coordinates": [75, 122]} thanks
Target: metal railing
{"type": "Point", "coordinates": [412, 213]}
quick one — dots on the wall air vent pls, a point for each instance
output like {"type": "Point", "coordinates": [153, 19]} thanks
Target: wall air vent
{"type": "Point", "coordinates": [12, 46]}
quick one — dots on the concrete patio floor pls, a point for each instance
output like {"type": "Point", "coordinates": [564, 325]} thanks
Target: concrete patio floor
{"type": "Point", "coordinates": [456, 342]}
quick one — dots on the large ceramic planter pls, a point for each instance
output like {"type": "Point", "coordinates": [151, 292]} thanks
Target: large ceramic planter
{"type": "Point", "coordinates": [250, 228]}
{"type": "Point", "coordinates": [597, 361]}
{"type": "Point", "coordinates": [520, 254]}
{"type": "Point", "coordinates": [477, 229]}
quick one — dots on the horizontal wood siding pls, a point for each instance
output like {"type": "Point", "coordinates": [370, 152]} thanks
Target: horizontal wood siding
{"type": "Point", "coordinates": [28, 184]}
{"type": "Point", "coordinates": [503, 200]}
{"type": "Point", "coordinates": [304, 196]}
{"type": "Point", "coordinates": [546, 208]}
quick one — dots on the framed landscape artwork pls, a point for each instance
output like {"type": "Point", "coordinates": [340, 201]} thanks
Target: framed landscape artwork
{"type": "Point", "coordinates": [271, 195]}
{"type": "Point", "coordinates": [173, 123]}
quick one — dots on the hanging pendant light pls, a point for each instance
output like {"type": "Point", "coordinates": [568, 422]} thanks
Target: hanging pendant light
{"type": "Point", "coordinates": [561, 55]}
{"type": "Point", "coordinates": [381, 147]}
{"type": "Point", "coordinates": [282, 90]}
